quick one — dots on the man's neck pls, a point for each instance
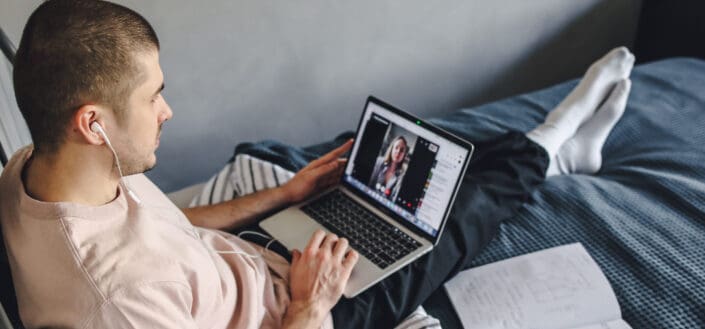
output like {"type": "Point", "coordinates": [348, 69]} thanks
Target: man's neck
{"type": "Point", "coordinates": [70, 177]}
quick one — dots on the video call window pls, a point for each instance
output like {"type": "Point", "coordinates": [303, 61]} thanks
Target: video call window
{"type": "Point", "coordinates": [394, 163]}
{"type": "Point", "coordinates": [406, 168]}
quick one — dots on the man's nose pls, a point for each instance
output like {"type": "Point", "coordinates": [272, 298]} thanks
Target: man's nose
{"type": "Point", "coordinates": [166, 111]}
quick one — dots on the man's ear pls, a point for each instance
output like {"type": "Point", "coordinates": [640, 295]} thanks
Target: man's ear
{"type": "Point", "coordinates": [81, 124]}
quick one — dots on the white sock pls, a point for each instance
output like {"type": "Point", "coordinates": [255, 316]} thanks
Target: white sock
{"type": "Point", "coordinates": [582, 154]}
{"type": "Point", "coordinates": [582, 102]}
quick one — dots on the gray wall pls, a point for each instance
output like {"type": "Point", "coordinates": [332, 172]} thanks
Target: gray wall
{"type": "Point", "coordinates": [299, 71]}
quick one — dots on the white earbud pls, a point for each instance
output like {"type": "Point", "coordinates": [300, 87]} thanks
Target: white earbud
{"type": "Point", "coordinates": [98, 129]}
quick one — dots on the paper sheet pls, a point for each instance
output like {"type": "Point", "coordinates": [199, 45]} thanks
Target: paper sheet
{"type": "Point", "coordinates": [616, 324]}
{"type": "Point", "coordinates": [558, 288]}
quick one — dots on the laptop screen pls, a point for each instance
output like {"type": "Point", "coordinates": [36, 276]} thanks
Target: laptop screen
{"type": "Point", "coordinates": [402, 165]}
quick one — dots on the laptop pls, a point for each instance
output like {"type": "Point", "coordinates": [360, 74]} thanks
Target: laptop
{"type": "Point", "coordinates": [393, 199]}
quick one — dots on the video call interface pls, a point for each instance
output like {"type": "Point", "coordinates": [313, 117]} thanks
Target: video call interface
{"type": "Point", "coordinates": [404, 167]}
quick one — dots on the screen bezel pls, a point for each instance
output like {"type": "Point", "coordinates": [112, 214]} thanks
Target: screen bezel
{"type": "Point", "coordinates": [425, 125]}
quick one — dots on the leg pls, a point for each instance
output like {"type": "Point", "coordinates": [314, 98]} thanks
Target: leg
{"type": "Point", "coordinates": [500, 178]}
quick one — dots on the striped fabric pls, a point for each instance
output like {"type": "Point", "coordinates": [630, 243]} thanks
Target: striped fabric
{"type": "Point", "coordinates": [247, 174]}
{"type": "Point", "coordinates": [419, 320]}
{"type": "Point", "coordinates": [242, 176]}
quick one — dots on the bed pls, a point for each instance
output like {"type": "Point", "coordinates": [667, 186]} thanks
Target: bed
{"type": "Point", "coordinates": [642, 216]}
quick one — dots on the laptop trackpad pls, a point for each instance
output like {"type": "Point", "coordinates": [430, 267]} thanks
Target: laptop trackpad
{"type": "Point", "coordinates": [294, 229]}
{"type": "Point", "coordinates": [291, 227]}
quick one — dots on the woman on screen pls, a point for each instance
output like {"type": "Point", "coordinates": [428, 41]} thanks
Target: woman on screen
{"type": "Point", "coordinates": [387, 174]}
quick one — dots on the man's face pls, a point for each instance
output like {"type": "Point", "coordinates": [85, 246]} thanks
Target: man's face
{"type": "Point", "coordinates": [138, 134]}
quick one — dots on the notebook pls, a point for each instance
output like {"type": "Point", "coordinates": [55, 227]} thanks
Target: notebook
{"type": "Point", "coordinates": [556, 288]}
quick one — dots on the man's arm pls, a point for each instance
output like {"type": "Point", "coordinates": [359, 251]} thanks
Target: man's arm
{"type": "Point", "coordinates": [237, 212]}
{"type": "Point", "coordinates": [315, 177]}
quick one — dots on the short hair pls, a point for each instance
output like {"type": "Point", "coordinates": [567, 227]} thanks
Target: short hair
{"type": "Point", "coordinates": [73, 53]}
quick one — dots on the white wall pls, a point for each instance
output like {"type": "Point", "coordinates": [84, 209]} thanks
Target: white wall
{"type": "Point", "coordinates": [299, 71]}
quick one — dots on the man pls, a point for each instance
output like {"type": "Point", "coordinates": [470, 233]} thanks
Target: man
{"type": "Point", "coordinates": [86, 62]}
{"type": "Point", "coordinates": [90, 248]}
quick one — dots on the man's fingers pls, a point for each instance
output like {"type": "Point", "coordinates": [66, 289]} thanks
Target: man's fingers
{"type": "Point", "coordinates": [340, 248]}
{"type": "Point", "coordinates": [337, 153]}
{"type": "Point", "coordinates": [328, 182]}
{"type": "Point", "coordinates": [329, 242]}
{"type": "Point", "coordinates": [327, 171]}
{"type": "Point", "coordinates": [331, 180]}
{"type": "Point", "coordinates": [349, 263]}
{"type": "Point", "coordinates": [315, 243]}
{"type": "Point", "coordinates": [332, 155]}
{"type": "Point", "coordinates": [334, 174]}
{"type": "Point", "coordinates": [341, 166]}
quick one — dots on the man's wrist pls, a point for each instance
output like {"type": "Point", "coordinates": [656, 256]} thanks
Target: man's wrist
{"type": "Point", "coordinates": [303, 315]}
{"type": "Point", "coordinates": [286, 194]}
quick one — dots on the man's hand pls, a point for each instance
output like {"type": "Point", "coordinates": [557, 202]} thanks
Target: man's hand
{"type": "Point", "coordinates": [318, 277]}
{"type": "Point", "coordinates": [317, 175]}
{"type": "Point", "coordinates": [242, 211]}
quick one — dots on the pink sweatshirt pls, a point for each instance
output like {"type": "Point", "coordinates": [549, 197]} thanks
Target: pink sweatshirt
{"type": "Point", "coordinates": [123, 265]}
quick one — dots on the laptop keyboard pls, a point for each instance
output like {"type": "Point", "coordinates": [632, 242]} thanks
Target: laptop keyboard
{"type": "Point", "coordinates": [374, 238]}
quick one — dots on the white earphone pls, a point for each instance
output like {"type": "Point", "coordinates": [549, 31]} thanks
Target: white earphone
{"type": "Point", "coordinates": [266, 247]}
{"type": "Point", "coordinates": [98, 129]}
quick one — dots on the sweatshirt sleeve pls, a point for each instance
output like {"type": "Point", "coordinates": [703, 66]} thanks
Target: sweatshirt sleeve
{"type": "Point", "coordinates": [149, 305]}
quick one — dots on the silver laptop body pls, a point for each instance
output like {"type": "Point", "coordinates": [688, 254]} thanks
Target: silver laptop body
{"type": "Point", "coordinates": [416, 201]}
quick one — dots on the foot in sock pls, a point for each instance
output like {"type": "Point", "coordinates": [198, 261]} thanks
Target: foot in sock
{"type": "Point", "coordinates": [582, 102]}
{"type": "Point", "coordinates": [582, 154]}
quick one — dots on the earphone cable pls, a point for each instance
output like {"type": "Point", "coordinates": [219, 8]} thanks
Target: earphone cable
{"type": "Point", "coordinates": [126, 185]}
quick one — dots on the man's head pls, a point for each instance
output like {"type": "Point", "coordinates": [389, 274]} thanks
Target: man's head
{"type": "Point", "coordinates": [89, 60]}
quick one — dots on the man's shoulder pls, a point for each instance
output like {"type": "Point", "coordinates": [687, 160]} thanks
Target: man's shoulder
{"type": "Point", "coordinates": [11, 175]}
